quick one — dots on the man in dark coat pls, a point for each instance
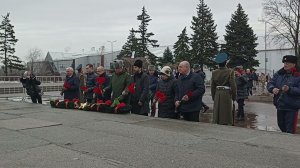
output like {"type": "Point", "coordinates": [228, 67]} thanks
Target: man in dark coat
{"type": "Point", "coordinates": [70, 89]}
{"type": "Point", "coordinates": [165, 94]}
{"type": "Point", "coordinates": [189, 93]}
{"type": "Point", "coordinates": [198, 70]}
{"type": "Point", "coordinates": [140, 99]}
{"type": "Point", "coordinates": [30, 82]}
{"type": "Point", "coordinates": [285, 85]}
{"type": "Point", "coordinates": [153, 80]}
{"type": "Point", "coordinates": [242, 93]}
{"type": "Point", "coordinates": [90, 83]}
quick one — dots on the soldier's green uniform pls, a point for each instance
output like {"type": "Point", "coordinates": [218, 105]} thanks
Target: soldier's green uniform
{"type": "Point", "coordinates": [81, 77]}
{"type": "Point", "coordinates": [223, 91]}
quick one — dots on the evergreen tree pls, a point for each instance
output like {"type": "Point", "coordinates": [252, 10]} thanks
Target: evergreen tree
{"type": "Point", "coordinates": [204, 38]}
{"type": "Point", "coordinates": [167, 58]}
{"type": "Point", "coordinates": [7, 43]}
{"type": "Point", "coordinates": [130, 46]}
{"type": "Point", "coordinates": [181, 47]}
{"type": "Point", "coordinates": [240, 40]}
{"type": "Point", "coordinates": [144, 41]}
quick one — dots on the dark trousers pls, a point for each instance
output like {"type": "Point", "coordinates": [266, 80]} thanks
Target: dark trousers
{"type": "Point", "coordinates": [36, 98]}
{"type": "Point", "coordinates": [287, 120]}
{"type": "Point", "coordinates": [191, 116]}
{"type": "Point", "coordinates": [241, 104]}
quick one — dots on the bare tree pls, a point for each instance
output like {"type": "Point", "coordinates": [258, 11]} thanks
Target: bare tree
{"type": "Point", "coordinates": [34, 56]}
{"type": "Point", "coordinates": [284, 18]}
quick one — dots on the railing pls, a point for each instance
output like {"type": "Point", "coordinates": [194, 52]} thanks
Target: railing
{"type": "Point", "coordinates": [14, 90]}
{"type": "Point", "coordinates": [43, 79]}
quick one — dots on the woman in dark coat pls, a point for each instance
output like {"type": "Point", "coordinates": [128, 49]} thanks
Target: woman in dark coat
{"type": "Point", "coordinates": [242, 93]}
{"type": "Point", "coordinates": [165, 94]}
{"type": "Point", "coordinates": [30, 82]}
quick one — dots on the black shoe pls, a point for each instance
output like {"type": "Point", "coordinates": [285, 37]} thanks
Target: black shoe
{"type": "Point", "coordinates": [205, 109]}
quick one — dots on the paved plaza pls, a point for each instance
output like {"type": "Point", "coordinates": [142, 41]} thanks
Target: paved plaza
{"type": "Point", "coordinates": [34, 135]}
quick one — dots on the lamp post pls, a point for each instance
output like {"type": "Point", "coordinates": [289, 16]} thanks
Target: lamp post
{"type": "Point", "coordinates": [112, 48]}
{"type": "Point", "coordinates": [262, 20]}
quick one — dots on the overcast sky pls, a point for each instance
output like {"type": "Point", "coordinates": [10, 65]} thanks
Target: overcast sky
{"type": "Point", "coordinates": [73, 25]}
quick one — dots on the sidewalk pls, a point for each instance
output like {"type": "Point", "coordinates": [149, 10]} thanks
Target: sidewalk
{"type": "Point", "coordinates": [35, 136]}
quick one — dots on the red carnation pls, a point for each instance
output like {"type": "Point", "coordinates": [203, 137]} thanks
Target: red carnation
{"type": "Point", "coordinates": [97, 90]}
{"type": "Point", "coordinates": [67, 100]}
{"type": "Point", "coordinates": [121, 105]}
{"type": "Point", "coordinates": [161, 96]}
{"type": "Point", "coordinates": [189, 94]}
{"type": "Point", "coordinates": [101, 80]}
{"type": "Point", "coordinates": [108, 102]}
{"type": "Point", "coordinates": [76, 100]}
{"type": "Point", "coordinates": [131, 88]}
{"type": "Point", "coordinates": [84, 88]}
{"type": "Point", "coordinates": [293, 70]}
{"type": "Point", "coordinates": [100, 101]}
{"type": "Point", "coordinates": [67, 85]}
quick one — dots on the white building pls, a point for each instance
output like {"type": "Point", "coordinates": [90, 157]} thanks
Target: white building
{"type": "Point", "coordinates": [63, 60]}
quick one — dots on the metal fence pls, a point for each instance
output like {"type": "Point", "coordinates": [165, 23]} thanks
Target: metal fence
{"type": "Point", "coordinates": [43, 79]}
{"type": "Point", "coordinates": [15, 90]}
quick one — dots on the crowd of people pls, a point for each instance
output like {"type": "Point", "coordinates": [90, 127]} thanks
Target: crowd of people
{"type": "Point", "coordinates": [179, 95]}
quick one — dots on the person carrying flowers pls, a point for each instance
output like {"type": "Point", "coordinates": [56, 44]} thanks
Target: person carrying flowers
{"type": "Point", "coordinates": [189, 93]}
{"type": "Point", "coordinates": [119, 83]}
{"type": "Point", "coordinates": [70, 88]}
{"type": "Point", "coordinates": [90, 83]}
{"type": "Point", "coordinates": [102, 81]}
{"type": "Point", "coordinates": [165, 94]}
{"type": "Point", "coordinates": [140, 98]}
{"type": "Point", "coordinates": [285, 85]}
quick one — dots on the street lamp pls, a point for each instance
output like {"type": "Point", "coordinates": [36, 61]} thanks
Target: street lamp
{"type": "Point", "coordinates": [112, 48]}
{"type": "Point", "coordinates": [262, 20]}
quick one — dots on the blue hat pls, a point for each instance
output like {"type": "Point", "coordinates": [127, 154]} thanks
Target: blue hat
{"type": "Point", "coordinates": [79, 67]}
{"type": "Point", "coordinates": [221, 57]}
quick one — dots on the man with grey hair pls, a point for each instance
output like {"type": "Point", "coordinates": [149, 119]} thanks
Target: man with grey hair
{"type": "Point", "coordinates": [189, 92]}
{"type": "Point", "coordinates": [70, 88]}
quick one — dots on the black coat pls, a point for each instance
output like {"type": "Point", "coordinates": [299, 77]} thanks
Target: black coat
{"type": "Point", "coordinates": [141, 94]}
{"type": "Point", "coordinates": [241, 85]}
{"type": "Point", "coordinates": [194, 83]}
{"type": "Point", "coordinates": [31, 85]}
{"type": "Point", "coordinates": [90, 84]}
{"type": "Point", "coordinates": [72, 92]}
{"type": "Point", "coordinates": [291, 99]}
{"type": "Point", "coordinates": [166, 109]}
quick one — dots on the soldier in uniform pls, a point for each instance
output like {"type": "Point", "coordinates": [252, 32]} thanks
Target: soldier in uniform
{"type": "Point", "coordinates": [223, 91]}
{"type": "Point", "coordinates": [119, 82]}
{"type": "Point", "coordinates": [81, 78]}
